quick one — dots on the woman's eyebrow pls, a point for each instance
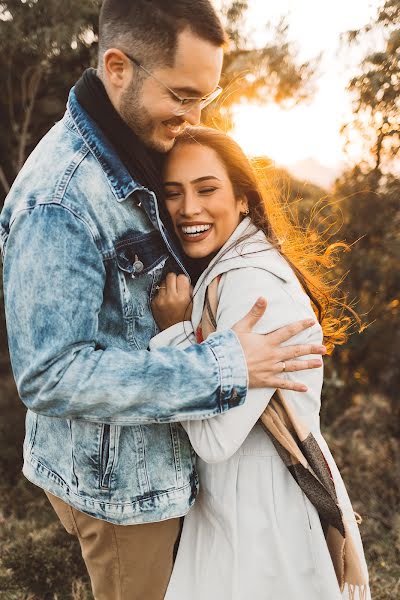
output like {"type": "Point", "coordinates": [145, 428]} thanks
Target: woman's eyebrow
{"type": "Point", "coordinates": [198, 180]}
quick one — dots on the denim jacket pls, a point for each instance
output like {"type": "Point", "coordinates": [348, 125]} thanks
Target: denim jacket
{"type": "Point", "coordinates": [83, 248]}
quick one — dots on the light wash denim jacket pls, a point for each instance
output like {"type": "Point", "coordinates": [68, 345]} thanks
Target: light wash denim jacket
{"type": "Point", "coordinates": [83, 249]}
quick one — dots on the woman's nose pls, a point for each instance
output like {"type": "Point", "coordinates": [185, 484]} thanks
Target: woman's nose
{"type": "Point", "coordinates": [190, 206]}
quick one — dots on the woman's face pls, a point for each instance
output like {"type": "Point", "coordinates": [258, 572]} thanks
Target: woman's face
{"type": "Point", "coordinates": [200, 199]}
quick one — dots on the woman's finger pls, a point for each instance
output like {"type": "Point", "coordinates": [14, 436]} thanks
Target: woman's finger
{"type": "Point", "coordinates": [170, 281]}
{"type": "Point", "coordinates": [161, 288]}
{"type": "Point", "coordinates": [183, 284]}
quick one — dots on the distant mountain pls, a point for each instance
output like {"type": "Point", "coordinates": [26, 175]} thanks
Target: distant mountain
{"type": "Point", "coordinates": [311, 170]}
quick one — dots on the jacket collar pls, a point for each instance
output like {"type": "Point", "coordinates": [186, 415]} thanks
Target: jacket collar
{"type": "Point", "coordinates": [117, 174]}
{"type": "Point", "coordinates": [121, 182]}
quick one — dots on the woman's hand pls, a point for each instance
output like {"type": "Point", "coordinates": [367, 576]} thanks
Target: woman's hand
{"type": "Point", "coordinates": [173, 303]}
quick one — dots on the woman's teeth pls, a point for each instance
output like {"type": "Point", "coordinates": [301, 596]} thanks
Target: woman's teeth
{"type": "Point", "coordinates": [195, 230]}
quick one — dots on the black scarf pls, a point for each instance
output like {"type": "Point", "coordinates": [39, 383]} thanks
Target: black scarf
{"type": "Point", "coordinates": [143, 164]}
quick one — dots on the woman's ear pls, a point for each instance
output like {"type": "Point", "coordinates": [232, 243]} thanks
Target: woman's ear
{"type": "Point", "coordinates": [244, 205]}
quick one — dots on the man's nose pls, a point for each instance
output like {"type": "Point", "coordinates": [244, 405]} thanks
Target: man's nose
{"type": "Point", "coordinates": [193, 116]}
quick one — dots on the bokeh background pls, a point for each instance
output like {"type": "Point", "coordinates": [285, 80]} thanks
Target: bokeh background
{"type": "Point", "coordinates": [312, 90]}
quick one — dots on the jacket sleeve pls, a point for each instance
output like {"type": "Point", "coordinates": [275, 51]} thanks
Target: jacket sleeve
{"type": "Point", "coordinates": [54, 279]}
{"type": "Point", "coordinates": [218, 438]}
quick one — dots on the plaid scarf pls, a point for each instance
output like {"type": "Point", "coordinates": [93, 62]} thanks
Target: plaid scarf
{"type": "Point", "coordinates": [305, 461]}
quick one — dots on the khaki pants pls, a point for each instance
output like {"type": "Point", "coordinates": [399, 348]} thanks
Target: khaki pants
{"type": "Point", "coordinates": [125, 562]}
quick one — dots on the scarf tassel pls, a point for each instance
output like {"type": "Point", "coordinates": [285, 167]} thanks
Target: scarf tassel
{"type": "Point", "coordinates": [362, 592]}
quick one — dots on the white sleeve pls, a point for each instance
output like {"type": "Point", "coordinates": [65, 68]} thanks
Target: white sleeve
{"type": "Point", "coordinates": [218, 438]}
{"type": "Point", "coordinates": [180, 334]}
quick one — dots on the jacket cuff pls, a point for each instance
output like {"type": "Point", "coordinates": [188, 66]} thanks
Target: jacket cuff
{"type": "Point", "coordinates": [232, 364]}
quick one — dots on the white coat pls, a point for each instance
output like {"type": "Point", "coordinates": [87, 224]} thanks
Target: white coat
{"type": "Point", "coordinates": [252, 533]}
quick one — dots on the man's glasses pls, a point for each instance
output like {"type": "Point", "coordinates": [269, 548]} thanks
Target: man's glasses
{"type": "Point", "coordinates": [184, 104]}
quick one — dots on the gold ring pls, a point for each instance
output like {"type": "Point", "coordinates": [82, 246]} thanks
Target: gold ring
{"type": "Point", "coordinates": [284, 367]}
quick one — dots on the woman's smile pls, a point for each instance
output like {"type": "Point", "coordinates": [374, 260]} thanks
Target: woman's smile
{"type": "Point", "coordinates": [194, 232]}
{"type": "Point", "coordinates": [200, 199]}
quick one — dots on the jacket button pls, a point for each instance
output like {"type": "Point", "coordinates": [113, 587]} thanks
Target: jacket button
{"type": "Point", "coordinates": [138, 266]}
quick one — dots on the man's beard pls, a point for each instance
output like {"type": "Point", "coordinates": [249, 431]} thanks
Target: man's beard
{"type": "Point", "coordinates": [136, 116]}
{"type": "Point", "coordinates": [139, 119]}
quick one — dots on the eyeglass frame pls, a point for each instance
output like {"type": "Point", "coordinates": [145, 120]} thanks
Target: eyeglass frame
{"type": "Point", "coordinates": [201, 102]}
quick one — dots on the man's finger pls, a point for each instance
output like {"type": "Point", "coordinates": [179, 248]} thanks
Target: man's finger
{"type": "Point", "coordinates": [299, 365]}
{"type": "Point", "coordinates": [286, 384]}
{"type": "Point", "coordinates": [290, 352]}
{"type": "Point", "coordinates": [283, 334]}
{"type": "Point", "coordinates": [253, 316]}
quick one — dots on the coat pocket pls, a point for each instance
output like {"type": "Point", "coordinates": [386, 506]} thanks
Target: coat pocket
{"type": "Point", "coordinates": [107, 454]}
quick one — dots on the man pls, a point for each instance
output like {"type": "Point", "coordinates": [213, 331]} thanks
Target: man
{"type": "Point", "coordinates": [84, 250]}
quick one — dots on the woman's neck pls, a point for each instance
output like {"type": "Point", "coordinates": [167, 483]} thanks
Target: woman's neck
{"type": "Point", "coordinates": [196, 266]}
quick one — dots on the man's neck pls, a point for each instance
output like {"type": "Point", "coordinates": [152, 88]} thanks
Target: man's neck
{"type": "Point", "coordinates": [114, 98]}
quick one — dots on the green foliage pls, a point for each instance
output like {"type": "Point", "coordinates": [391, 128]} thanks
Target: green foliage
{"type": "Point", "coordinates": [258, 74]}
{"type": "Point", "coordinates": [376, 89]}
{"type": "Point", "coordinates": [44, 46]}
{"type": "Point", "coordinates": [371, 216]}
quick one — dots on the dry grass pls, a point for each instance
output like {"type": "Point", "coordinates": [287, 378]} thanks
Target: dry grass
{"type": "Point", "coordinates": [39, 561]}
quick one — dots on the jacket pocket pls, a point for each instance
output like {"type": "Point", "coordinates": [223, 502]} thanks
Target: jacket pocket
{"type": "Point", "coordinates": [30, 431]}
{"type": "Point", "coordinates": [107, 454]}
{"type": "Point", "coordinates": [140, 261]}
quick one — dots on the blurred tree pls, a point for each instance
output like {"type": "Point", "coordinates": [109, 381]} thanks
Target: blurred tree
{"type": "Point", "coordinates": [43, 46]}
{"type": "Point", "coordinates": [371, 215]}
{"type": "Point", "coordinates": [258, 74]}
{"type": "Point", "coordinates": [376, 90]}
{"type": "Point", "coordinates": [369, 199]}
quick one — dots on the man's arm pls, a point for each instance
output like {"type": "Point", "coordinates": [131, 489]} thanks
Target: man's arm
{"type": "Point", "coordinates": [54, 280]}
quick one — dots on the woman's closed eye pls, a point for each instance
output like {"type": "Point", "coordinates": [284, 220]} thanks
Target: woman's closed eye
{"type": "Point", "coordinates": [173, 193]}
{"type": "Point", "coordinates": [207, 190]}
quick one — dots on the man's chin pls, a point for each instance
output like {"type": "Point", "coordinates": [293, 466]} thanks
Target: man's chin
{"type": "Point", "coordinates": [161, 145]}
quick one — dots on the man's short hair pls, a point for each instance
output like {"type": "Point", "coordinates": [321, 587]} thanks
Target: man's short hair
{"type": "Point", "coordinates": [149, 28]}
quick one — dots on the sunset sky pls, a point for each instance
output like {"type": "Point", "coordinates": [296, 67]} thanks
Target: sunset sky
{"type": "Point", "coordinates": [308, 131]}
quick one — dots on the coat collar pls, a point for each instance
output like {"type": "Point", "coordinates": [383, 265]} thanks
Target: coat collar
{"type": "Point", "coordinates": [247, 247]}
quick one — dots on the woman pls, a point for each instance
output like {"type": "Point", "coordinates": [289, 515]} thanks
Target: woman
{"type": "Point", "coordinates": [252, 534]}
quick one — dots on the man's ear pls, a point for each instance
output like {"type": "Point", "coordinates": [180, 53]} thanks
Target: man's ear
{"type": "Point", "coordinates": [117, 68]}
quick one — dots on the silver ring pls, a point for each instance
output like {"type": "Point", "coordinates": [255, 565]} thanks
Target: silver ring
{"type": "Point", "coordinates": [161, 287]}
{"type": "Point", "coordinates": [284, 367]}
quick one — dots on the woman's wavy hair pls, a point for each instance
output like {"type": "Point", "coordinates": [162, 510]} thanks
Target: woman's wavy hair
{"type": "Point", "coordinates": [306, 251]}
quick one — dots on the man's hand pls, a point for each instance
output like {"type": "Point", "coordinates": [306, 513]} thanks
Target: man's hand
{"type": "Point", "coordinates": [173, 302]}
{"type": "Point", "coordinates": [266, 357]}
